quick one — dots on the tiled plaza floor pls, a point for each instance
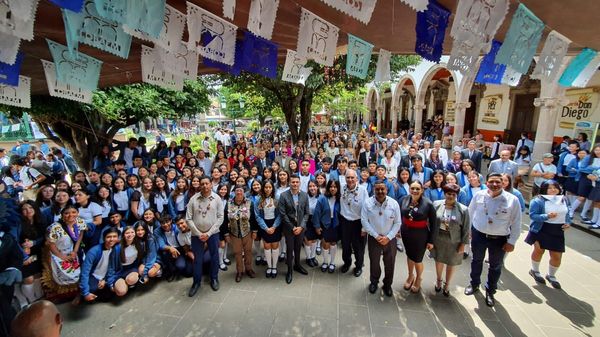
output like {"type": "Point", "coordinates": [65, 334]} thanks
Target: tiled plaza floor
{"type": "Point", "coordinates": [323, 304]}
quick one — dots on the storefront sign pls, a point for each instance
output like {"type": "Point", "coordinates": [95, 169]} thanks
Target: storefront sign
{"type": "Point", "coordinates": [450, 111]}
{"type": "Point", "coordinates": [580, 108]}
{"type": "Point", "coordinates": [490, 106]}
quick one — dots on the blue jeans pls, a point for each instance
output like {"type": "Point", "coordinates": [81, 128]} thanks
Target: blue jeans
{"type": "Point", "coordinates": [479, 244]}
{"type": "Point", "coordinates": [198, 250]}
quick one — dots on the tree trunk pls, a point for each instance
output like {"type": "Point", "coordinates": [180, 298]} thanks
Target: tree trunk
{"type": "Point", "coordinates": [289, 111]}
{"type": "Point", "coordinates": [305, 113]}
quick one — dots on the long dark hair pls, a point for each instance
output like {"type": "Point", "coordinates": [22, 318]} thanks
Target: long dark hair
{"type": "Point", "coordinates": [443, 183]}
{"type": "Point", "coordinates": [35, 229]}
{"type": "Point", "coordinates": [135, 243]}
{"type": "Point", "coordinates": [328, 193]}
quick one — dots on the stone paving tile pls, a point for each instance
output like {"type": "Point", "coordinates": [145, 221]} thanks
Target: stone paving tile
{"type": "Point", "coordinates": [323, 304]}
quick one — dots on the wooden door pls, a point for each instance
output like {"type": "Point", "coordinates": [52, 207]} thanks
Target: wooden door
{"type": "Point", "coordinates": [521, 117]}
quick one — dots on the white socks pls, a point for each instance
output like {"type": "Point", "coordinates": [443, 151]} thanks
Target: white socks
{"type": "Point", "coordinates": [332, 251]}
{"type": "Point", "coordinates": [269, 258]}
{"type": "Point", "coordinates": [586, 207]}
{"type": "Point", "coordinates": [574, 206]}
{"type": "Point", "coordinates": [221, 255]}
{"type": "Point", "coordinates": [313, 250]}
{"type": "Point", "coordinates": [595, 215]}
{"type": "Point", "coordinates": [307, 249]}
{"type": "Point", "coordinates": [325, 254]}
{"type": "Point", "coordinates": [274, 254]}
{"type": "Point", "coordinates": [27, 290]}
{"type": "Point", "coordinates": [552, 270]}
{"type": "Point", "coordinates": [282, 246]}
{"type": "Point", "coordinates": [259, 248]}
{"type": "Point", "coordinates": [535, 266]}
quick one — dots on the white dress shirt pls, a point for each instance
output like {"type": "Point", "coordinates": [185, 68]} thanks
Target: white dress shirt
{"type": "Point", "coordinates": [351, 202]}
{"type": "Point", "coordinates": [381, 218]}
{"type": "Point", "coordinates": [496, 216]}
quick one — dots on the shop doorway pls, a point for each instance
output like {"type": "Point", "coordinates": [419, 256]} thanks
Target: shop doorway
{"type": "Point", "coordinates": [521, 118]}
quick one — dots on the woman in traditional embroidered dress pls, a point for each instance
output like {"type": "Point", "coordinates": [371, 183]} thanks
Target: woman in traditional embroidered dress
{"type": "Point", "coordinates": [63, 255]}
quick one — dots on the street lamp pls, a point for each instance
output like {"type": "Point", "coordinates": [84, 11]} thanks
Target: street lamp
{"type": "Point", "coordinates": [232, 111]}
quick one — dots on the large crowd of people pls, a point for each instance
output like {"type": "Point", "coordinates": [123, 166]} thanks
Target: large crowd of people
{"type": "Point", "coordinates": [175, 211]}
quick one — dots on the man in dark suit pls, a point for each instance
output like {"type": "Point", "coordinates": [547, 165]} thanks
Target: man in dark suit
{"type": "Point", "coordinates": [367, 156]}
{"type": "Point", "coordinates": [406, 161]}
{"type": "Point", "coordinates": [276, 152]}
{"type": "Point", "coordinates": [471, 153]}
{"type": "Point", "coordinates": [293, 207]}
{"type": "Point", "coordinates": [262, 161]}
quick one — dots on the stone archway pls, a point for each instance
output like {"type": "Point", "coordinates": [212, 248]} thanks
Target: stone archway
{"type": "Point", "coordinates": [402, 103]}
{"type": "Point", "coordinates": [372, 103]}
{"type": "Point", "coordinates": [437, 85]}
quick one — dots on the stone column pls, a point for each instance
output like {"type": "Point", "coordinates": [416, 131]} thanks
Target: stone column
{"type": "Point", "coordinates": [546, 123]}
{"type": "Point", "coordinates": [394, 115]}
{"type": "Point", "coordinates": [459, 121]}
{"type": "Point", "coordinates": [379, 114]}
{"type": "Point", "coordinates": [431, 107]}
{"type": "Point", "coordinates": [418, 111]}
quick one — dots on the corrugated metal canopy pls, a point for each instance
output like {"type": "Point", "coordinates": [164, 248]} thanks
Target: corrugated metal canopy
{"type": "Point", "coordinates": [392, 27]}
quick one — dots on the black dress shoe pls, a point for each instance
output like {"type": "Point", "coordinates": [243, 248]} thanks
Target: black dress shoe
{"type": "Point", "coordinates": [273, 273]}
{"type": "Point", "coordinates": [465, 255]}
{"type": "Point", "coordinates": [315, 262]}
{"type": "Point", "coordinates": [194, 289]}
{"type": "Point", "coordinates": [214, 284]}
{"type": "Point", "coordinates": [470, 290]}
{"type": "Point", "coordinates": [288, 277]}
{"type": "Point", "coordinates": [345, 268]}
{"type": "Point", "coordinates": [372, 288]}
{"type": "Point", "coordinates": [300, 269]}
{"type": "Point", "coordinates": [388, 291]}
{"type": "Point", "coordinates": [489, 299]}
{"type": "Point", "coordinates": [357, 272]}
{"type": "Point", "coordinates": [309, 263]}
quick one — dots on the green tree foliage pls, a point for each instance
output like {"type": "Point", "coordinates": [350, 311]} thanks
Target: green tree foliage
{"type": "Point", "coordinates": [296, 101]}
{"type": "Point", "coordinates": [84, 128]}
{"type": "Point", "coordinates": [258, 103]}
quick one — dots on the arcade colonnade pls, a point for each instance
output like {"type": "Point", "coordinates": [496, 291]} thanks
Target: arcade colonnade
{"type": "Point", "coordinates": [431, 89]}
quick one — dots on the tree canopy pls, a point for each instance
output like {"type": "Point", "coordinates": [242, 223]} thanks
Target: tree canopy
{"type": "Point", "coordinates": [296, 101]}
{"type": "Point", "coordinates": [84, 128]}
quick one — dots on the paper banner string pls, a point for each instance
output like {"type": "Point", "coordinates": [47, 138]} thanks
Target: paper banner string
{"type": "Point", "coordinates": [154, 73]}
{"type": "Point", "coordinates": [142, 15]}
{"type": "Point", "coordinates": [111, 10]}
{"type": "Point", "coordinates": [77, 70]}
{"type": "Point", "coordinates": [234, 69]}
{"type": "Point", "coordinates": [229, 9]}
{"type": "Point", "coordinates": [183, 62]}
{"type": "Point", "coordinates": [88, 27]}
{"type": "Point", "coordinates": [317, 39]}
{"type": "Point", "coordinates": [431, 29]}
{"type": "Point", "coordinates": [586, 74]}
{"type": "Point", "coordinates": [170, 34]}
{"type": "Point", "coordinates": [477, 21]}
{"type": "Point", "coordinates": [577, 65]}
{"type": "Point", "coordinates": [382, 73]}
{"type": "Point", "coordinates": [19, 96]}
{"type": "Point", "coordinates": [72, 5]}
{"type": "Point", "coordinates": [521, 41]}
{"type": "Point", "coordinates": [490, 71]}
{"type": "Point", "coordinates": [551, 58]}
{"type": "Point", "coordinates": [19, 26]}
{"type": "Point", "coordinates": [261, 18]}
{"type": "Point", "coordinates": [361, 10]}
{"type": "Point", "coordinates": [259, 56]}
{"type": "Point", "coordinates": [9, 47]}
{"type": "Point", "coordinates": [62, 90]}
{"type": "Point", "coordinates": [211, 36]}
{"type": "Point", "coordinates": [473, 27]}
{"type": "Point", "coordinates": [359, 57]}
{"type": "Point", "coordinates": [294, 70]}
{"type": "Point", "coordinates": [417, 5]}
{"type": "Point", "coordinates": [9, 74]}
{"type": "Point", "coordinates": [23, 9]}
{"type": "Point", "coordinates": [511, 77]}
